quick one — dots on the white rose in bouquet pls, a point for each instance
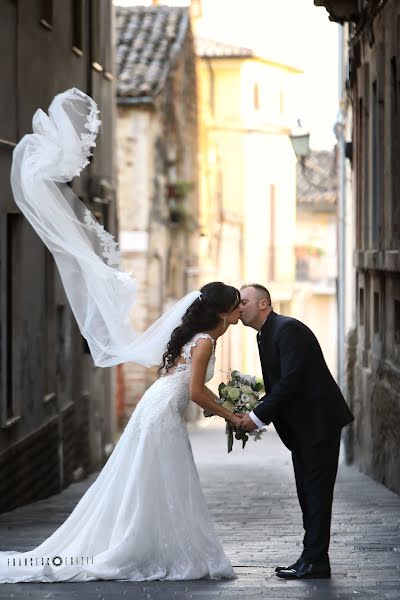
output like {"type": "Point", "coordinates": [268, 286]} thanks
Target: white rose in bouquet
{"type": "Point", "coordinates": [233, 392]}
{"type": "Point", "coordinates": [246, 389]}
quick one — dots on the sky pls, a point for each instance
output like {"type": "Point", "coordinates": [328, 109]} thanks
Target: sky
{"type": "Point", "coordinates": [295, 32]}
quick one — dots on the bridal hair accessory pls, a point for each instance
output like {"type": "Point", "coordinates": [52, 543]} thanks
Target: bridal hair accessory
{"type": "Point", "coordinates": [101, 295]}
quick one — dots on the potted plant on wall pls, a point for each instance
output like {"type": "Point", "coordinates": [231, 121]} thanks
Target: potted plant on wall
{"type": "Point", "coordinates": [177, 194]}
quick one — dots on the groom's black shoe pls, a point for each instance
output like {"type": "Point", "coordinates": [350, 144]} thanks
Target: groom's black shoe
{"type": "Point", "coordinates": [293, 566]}
{"type": "Point", "coordinates": [305, 570]}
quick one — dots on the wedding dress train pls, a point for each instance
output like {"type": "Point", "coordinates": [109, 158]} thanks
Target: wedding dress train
{"type": "Point", "coordinates": [145, 516]}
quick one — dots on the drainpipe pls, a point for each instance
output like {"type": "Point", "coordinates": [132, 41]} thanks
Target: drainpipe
{"type": "Point", "coordinates": [339, 130]}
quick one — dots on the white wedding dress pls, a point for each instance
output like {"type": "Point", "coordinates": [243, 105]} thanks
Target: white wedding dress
{"type": "Point", "coordinates": [145, 516]}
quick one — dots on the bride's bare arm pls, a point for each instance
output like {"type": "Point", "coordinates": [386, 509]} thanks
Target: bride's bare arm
{"type": "Point", "coordinates": [199, 393]}
{"type": "Point", "coordinates": [211, 394]}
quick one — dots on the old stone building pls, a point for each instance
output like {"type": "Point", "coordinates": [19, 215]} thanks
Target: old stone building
{"type": "Point", "coordinates": [157, 165]}
{"type": "Point", "coordinates": [247, 181]}
{"type": "Point", "coordinates": [372, 59]}
{"type": "Point", "coordinates": [56, 408]}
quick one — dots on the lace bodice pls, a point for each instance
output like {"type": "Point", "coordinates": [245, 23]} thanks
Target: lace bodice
{"type": "Point", "coordinates": [186, 355]}
{"type": "Point", "coordinates": [171, 390]}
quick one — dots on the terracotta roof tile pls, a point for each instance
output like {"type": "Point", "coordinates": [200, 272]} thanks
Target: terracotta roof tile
{"type": "Point", "coordinates": [208, 48]}
{"type": "Point", "coordinates": [318, 183]}
{"type": "Point", "coordinates": [148, 40]}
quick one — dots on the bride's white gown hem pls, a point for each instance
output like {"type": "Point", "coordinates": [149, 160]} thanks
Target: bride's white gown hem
{"type": "Point", "coordinates": [145, 517]}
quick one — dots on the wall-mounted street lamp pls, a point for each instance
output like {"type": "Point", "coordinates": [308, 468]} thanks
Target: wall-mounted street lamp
{"type": "Point", "coordinates": [300, 139]}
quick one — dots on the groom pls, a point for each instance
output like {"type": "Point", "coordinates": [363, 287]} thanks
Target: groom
{"type": "Point", "coordinates": [308, 411]}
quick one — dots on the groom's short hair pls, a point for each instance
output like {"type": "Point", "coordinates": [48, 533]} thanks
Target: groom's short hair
{"type": "Point", "coordinates": [263, 292]}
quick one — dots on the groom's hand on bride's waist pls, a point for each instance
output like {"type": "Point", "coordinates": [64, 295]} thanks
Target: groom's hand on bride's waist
{"type": "Point", "coordinates": [246, 423]}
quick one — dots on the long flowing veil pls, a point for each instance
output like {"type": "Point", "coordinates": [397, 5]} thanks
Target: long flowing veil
{"type": "Point", "coordinates": [101, 295]}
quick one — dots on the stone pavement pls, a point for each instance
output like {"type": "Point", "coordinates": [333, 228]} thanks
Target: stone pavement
{"type": "Point", "coordinates": [252, 497]}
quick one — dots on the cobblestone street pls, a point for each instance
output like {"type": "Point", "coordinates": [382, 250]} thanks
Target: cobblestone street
{"type": "Point", "coordinates": [252, 497]}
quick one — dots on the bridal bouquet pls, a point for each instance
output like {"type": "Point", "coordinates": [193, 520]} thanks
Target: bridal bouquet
{"type": "Point", "coordinates": [239, 395]}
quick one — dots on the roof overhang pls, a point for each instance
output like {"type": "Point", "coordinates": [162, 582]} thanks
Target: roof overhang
{"type": "Point", "coordinates": [340, 11]}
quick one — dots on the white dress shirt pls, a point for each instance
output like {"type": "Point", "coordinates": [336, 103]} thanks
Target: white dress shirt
{"type": "Point", "coordinates": [256, 420]}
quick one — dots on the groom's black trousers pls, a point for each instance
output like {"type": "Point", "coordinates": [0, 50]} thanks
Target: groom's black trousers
{"type": "Point", "coordinates": [315, 469]}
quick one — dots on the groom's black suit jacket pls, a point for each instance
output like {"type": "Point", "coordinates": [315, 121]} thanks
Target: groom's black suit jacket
{"type": "Point", "coordinates": [301, 398]}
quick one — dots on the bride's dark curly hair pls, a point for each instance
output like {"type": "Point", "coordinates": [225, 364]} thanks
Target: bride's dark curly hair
{"type": "Point", "coordinates": [202, 315]}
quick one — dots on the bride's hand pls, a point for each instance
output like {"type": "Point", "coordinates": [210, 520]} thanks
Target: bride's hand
{"type": "Point", "coordinates": [234, 420]}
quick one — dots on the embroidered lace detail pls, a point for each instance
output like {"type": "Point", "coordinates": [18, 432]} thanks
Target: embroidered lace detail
{"type": "Point", "coordinates": [181, 367]}
{"type": "Point", "coordinates": [88, 139]}
{"type": "Point", "coordinates": [186, 355]}
{"type": "Point", "coordinates": [171, 395]}
{"type": "Point", "coordinates": [110, 246]}
{"type": "Point", "coordinates": [186, 350]}
{"type": "Point", "coordinates": [124, 276]}
{"type": "Point", "coordinates": [166, 409]}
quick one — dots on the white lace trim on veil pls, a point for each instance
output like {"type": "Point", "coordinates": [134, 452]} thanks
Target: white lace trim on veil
{"type": "Point", "coordinates": [101, 295]}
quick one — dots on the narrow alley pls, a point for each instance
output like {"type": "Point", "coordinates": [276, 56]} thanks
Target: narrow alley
{"type": "Point", "coordinates": [252, 497]}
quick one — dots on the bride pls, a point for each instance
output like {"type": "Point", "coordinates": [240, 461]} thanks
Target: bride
{"type": "Point", "coordinates": [145, 516]}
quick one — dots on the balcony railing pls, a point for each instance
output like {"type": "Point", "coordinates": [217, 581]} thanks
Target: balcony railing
{"type": "Point", "coordinates": [318, 269]}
